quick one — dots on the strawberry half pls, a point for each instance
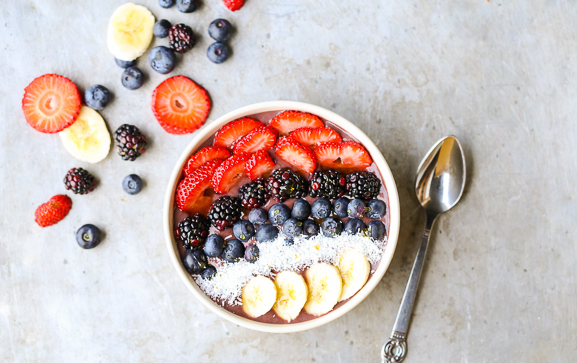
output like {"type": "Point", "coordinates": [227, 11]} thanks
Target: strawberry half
{"type": "Point", "coordinates": [229, 173]}
{"type": "Point", "coordinates": [53, 211]}
{"type": "Point", "coordinates": [289, 121]}
{"type": "Point", "coordinates": [51, 103]}
{"type": "Point", "coordinates": [313, 137]}
{"type": "Point", "coordinates": [180, 105]}
{"type": "Point", "coordinates": [205, 154]}
{"type": "Point", "coordinates": [232, 131]}
{"type": "Point", "coordinates": [299, 156]}
{"type": "Point", "coordinates": [192, 193]}
{"type": "Point", "coordinates": [259, 165]}
{"type": "Point", "coordinates": [233, 5]}
{"type": "Point", "coordinates": [260, 138]}
{"type": "Point", "coordinates": [347, 156]}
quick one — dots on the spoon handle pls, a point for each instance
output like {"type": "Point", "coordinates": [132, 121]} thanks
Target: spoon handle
{"type": "Point", "coordinates": [395, 349]}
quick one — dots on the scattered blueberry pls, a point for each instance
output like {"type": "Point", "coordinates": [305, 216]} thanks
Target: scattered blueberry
{"type": "Point", "coordinates": [233, 251]}
{"type": "Point", "coordinates": [341, 207]}
{"type": "Point", "coordinates": [97, 97]}
{"type": "Point", "coordinates": [132, 78]}
{"type": "Point", "coordinates": [301, 209]}
{"type": "Point", "coordinates": [243, 230]}
{"type": "Point", "coordinates": [161, 28]}
{"type": "Point", "coordinates": [376, 209]}
{"type": "Point", "coordinates": [214, 245]}
{"type": "Point", "coordinates": [124, 64]}
{"type": "Point", "coordinates": [278, 214]}
{"type": "Point", "coordinates": [332, 227]}
{"type": "Point", "coordinates": [162, 59]}
{"type": "Point", "coordinates": [376, 230]}
{"type": "Point", "coordinates": [220, 30]}
{"type": "Point", "coordinates": [194, 261]}
{"type": "Point", "coordinates": [132, 184]}
{"type": "Point", "coordinates": [187, 6]}
{"type": "Point", "coordinates": [321, 208]}
{"type": "Point", "coordinates": [292, 228]}
{"type": "Point", "coordinates": [166, 3]}
{"type": "Point", "coordinates": [208, 273]}
{"type": "Point", "coordinates": [251, 254]}
{"type": "Point", "coordinates": [311, 228]}
{"type": "Point", "coordinates": [354, 226]}
{"type": "Point", "coordinates": [258, 216]}
{"type": "Point", "coordinates": [356, 208]}
{"type": "Point", "coordinates": [88, 236]}
{"type": "Point", "coordinates": [266, 233]}
{"type": "Point", "coordinates": [217, 52]}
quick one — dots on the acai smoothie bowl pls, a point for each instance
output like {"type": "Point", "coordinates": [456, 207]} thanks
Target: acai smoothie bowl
{"type": "Point", "coordinates": [281, 216]}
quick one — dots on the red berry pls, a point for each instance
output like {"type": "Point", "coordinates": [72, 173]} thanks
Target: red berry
{"type": "Point", "coordinates": [233, 5]}
{"type": "Point", "coordinates": [232, 131]}
{"type": "Point", "coordinates": [260, 138]}
{"type": "Point", "coordinates": [313, 137]}
{"type": "Point", "coordinates": [289, 121]}
{"type": "Point", "coordinates": [296, 154]}
{"type": "Point", "coordinates": [259, 165]}
{"type": "Point", "coordinates": [53, 211]}
{"type": "Point", "coordinates": [346, 157]}
{"type": "Point", "coordinates": [229, 173]}
{"type": "Point", "coordinates": [191, 196]}
{"type": "Point", "coordinates": [203, 155]}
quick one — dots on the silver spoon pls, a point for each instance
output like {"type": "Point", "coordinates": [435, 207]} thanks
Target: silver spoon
{"type": "Point", "coordinates": [439, 185]}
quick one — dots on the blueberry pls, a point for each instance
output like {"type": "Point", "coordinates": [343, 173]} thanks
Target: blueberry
{"type": "Point", "coordinates": [194, 261]}
{"type": "Point", "coordinates": [321, 208]}
{"type": "Point", "coordinates": [258, 216]}
{"type": "Point", "coordinates": [208, 272]}
{"type": "Point", "coordinates": [376, 230]}
{"type": "Point", "coordinates": [332, 227]}
{"type": "Point", "coordinates": [217, 52]}
{"type": "Point", "coordinates": [376, 209]}
{"type": "Point", "coordinates": [301, 209]}
{"type": "Point", "coordinates": [233, 251]}
{"type": "Point", "coordinates": [354, 226]}
{"type": "Point", "coordinates": [161, 28]}
{"type": "Point", "coordinates": [132, 184]}
{"type": "Point", "coordinates": [243, 230]}
{"type": "Point", "coordinates": [132, 78]}
{"type": "Point", "coordinates": [187, 6]}
{"type": "Point", "coordinates": [88, 236]}
{"type": "Point", "coordinates": [214, 245]}
{"type": "Point", "coordinates": [278, 214]}
{"type": "Point", "coordinates": [124, 64]}
{"type": "Point", "coordinates": [311, 228]}
{"type": "Point", "coordinates": [292, 228]}
{"type": "Point", "coordinates": [356, 208]}
{"type": "Point", "coordinates": [251, 254]}
{"type": "Point", "coordinates": [340, 207]}
{"type": "Point", "coordinates": [162, 59]}
{"type": "Point", "coordinates": [97, 97]}
{"type": "Point", "coordinates": [266, 233]}
{"type": "Point", "coordinates": [166, 3]}
{"type": "Point", "coordinates": [220, 30]}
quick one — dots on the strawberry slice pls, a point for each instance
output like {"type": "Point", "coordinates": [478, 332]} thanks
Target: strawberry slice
{"type": "Point", "coordinates": [232, 131]}
{"type": "Point", "coordinates": [313, 137]}
{"type": "Point", "coordinates": [51, 103]}
{"type": "Point", "coordinates": [296, 154]}
{"type": "Point", "coordinates": [259, 165]}
{"type": "Point", "coordinates": [192, 193]}
{"type": "Point", "coordinates": [180, 105]}
{"type": "Point", "coordinates": [347, 156]}
{"type": "Point", "coordinates": [289, 121]}
{"type": "Point", "coordinates": [205, 154]}
{"type": "Point", "coordinates": [229, 173]}
{"type": "Point", "coordinates": [260, 138]}
{"type": "Point", "coordinates": [233, 5]}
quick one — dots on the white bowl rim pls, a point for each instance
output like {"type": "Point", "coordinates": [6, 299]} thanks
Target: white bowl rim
{"type": "Point", "coordinates": [394, 214]}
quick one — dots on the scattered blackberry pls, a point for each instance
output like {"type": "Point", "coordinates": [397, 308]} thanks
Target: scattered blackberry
{"type": "Point", "coordinates": [79, 181]}
{"type": "Point", "coordinates": [253, 195]}
{"type": "Point", "coordinates": [193, 231]}
{"type": "Point", "coordinates": [328, 183]}
{"type": "Point", "coordinates": [363, 184]}
{"type": "Point", "coordinates": [181, 38]}
{"type": "Point", "coordinates": [284, 184]}
{"type": "Point", "coordinates": [224, 212]}
{"type": "Point", "coordinates": [131, 143]}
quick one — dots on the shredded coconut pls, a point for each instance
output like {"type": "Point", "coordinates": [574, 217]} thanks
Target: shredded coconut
{"type": "Point", "coordinates": [226, 285]}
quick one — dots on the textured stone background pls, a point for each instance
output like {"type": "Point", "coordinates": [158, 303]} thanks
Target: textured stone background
{"type": "Point", "coordinates": [500, 284]}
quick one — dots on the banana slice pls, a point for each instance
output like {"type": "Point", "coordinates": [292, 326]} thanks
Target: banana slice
{"type": "Point", "coordinates": [87, 139]}
{"type": "Point", "coordinates": [355, 269]}
{"type": "Point", "coordinates": [130, 31]}
{"type": "Point", "coordinates": [325, 288]}
{"type": "Point", "coordinates": [291, 296]}
{"type": "Point", "coordinates": [258, 296]}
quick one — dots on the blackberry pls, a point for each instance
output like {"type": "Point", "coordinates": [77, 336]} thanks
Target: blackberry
{"type": "Point", "coordinates": [131, 143]}
{"type": "Point", "coordinates": [284, 184]}
{"type": "Point", "coordinates": [363, 184]}
{"type": "Point", "coordinates": [79, 181]}
{"type": "Point", "coordinates": [181, 38]}
{"type": "Point", "coordinates": [328, 183]}
{"type": "Point", "coordinates": [193, 231]}
{"type": "Point", "coordinates": [224, 212]}
{"type": "Point", "coordinates": [253, 195]}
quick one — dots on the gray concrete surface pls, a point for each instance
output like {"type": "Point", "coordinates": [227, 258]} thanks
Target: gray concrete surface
{"type": "Point", "coordinates": [500, 283]}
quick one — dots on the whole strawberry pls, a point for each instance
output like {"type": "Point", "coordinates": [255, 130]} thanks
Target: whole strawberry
{"type": "Point", "coordinates": [233, 5]}
{"type": "Point", "coordinates": [53, 211]}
